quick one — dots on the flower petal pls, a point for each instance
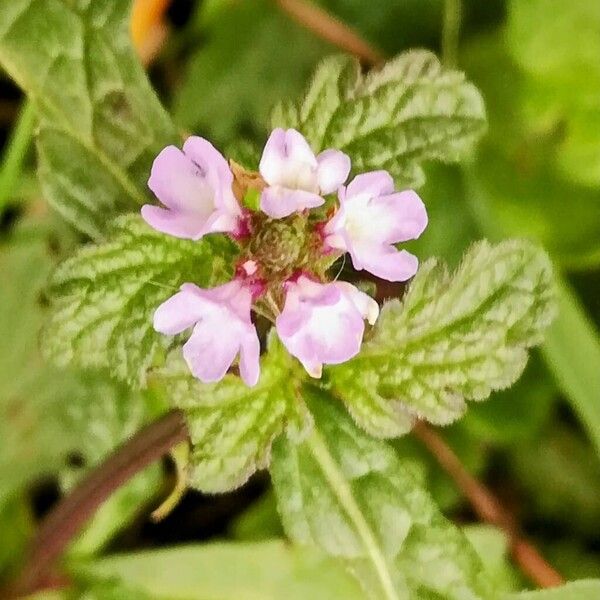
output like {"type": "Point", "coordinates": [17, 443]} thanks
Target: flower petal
{"type": "Point", "coordinates": [374, 183]}
{"type": "Point", "coordinates": [288, 161]}
{"type": "Point", "coordinates": [322, 323]}
{"type": "Point", "coordinates": [210, 161]}
{"type": "Point", "coordinates": [366, 306]}
{"type": "Point", "coordinates": [332, 171]}
{"type": "Point", "coordinates": [211, 349]}
{"type": "Point", "coordinates": [387, 263]}
{"type": "Point", "coordinates": [223, 329]}
{"type": "Point", "coordinates": [278, 202]}
{"type": "Point", "coordinates": [249, 357]}
{"type": "Point", "coordinates": [178, 224]}
{"type": "Point", "coordinates": [179, 184]}
{"type": "Point", "coordinates": [180, 311]}
{"type": "Point", "coordinates": [196, 186]}
{"type": "Point", "coordinates": [406, 215]}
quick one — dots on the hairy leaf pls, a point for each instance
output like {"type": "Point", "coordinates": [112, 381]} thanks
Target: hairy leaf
{"type": "Point", "coordinates": [104, 296]}
{"type": "Point", "coordinates": [268, 570]}
{"type": "Point", "coordinates": [355, 498]}
{"type": "Point", "coordinates": [409, 111]}
{"type": "Point", "coordinates": [100, 122]}
{"type": "Point", "coordinates": [232, 425]}
{"type": "Point", "coordinates": [452, 338]}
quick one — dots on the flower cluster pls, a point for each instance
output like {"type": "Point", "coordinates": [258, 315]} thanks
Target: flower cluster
{"type": "Point", "coordinates": [286, 250]}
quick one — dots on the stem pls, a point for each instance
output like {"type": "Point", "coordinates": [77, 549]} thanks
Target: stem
{"type": "Point", "coordinates": [69, 516]}
{"type": "Point", "coordinates": [16, 150]}
{"type": "Point", "coordinates": [450, 32]}
{"type": "Point", "coordinates": [331, 30]}
{"type": "Point", "coordinates": [342, 490]}
{"type": "Point", "coordinates": [489, 509]}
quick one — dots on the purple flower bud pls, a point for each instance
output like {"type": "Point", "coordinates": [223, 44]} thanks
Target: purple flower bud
{"type": "Point", "coordinates": [371, 218]}
{"type": "Point", "coordinates": [297, 178]}
{"type": "Point", "coordinates": [323, 323]}
{"type": "Point", "coordinates": [222, 329]}
{"type": "Point", "coordinates": [195, 186]}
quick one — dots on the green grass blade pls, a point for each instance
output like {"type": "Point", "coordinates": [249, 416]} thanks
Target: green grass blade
{"type": "Point", "coordinates": [16, 151]}
{"type": "Point", "coordinates": [572, 351]}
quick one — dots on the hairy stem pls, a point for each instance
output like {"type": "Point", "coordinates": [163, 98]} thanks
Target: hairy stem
{"type": "Point", "coordinates": [489, 509]}
{"type": "Point", "coordinates": [70, 515]}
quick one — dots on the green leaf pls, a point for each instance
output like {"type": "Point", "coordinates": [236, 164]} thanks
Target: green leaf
{"type": "Point", "coordinates": [409, 111]}
{"type": "Point", "coordinates": [104, 296]}
{"type": "Point", "coordinates": [569, 230]}
{"type": "Point", "coordinates": [15, 153]}
{"type": "Point", "coordinates": [451, 339]}
{"type": "Point", "coordinates": [572, 351]}
{"type": "Point", "coordinates": [586, 589]}
{"type": "Point", "coordinates": [491, 545]}
{"type": "Point", "coordinates": [260, 521]}
{"type": "Point", "coordinates": [355, 498]}
{"type": "Point", "coordinates": [232, 425]}
{"type": "Point", "coordinates": [101, 124]}
{"type": "Point", "coordinates": [268, 570]}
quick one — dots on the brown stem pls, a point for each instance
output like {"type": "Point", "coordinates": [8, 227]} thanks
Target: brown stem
{"type": "Point", "coordinates": [488, 508]}
{"type": "Point", "coordinates": [69, 516]}
{"type": "Point", "coordinates": [331, 29]}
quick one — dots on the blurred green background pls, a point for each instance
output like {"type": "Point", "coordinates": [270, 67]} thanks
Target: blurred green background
{"type": "Point", "coordinates": [536, 174]}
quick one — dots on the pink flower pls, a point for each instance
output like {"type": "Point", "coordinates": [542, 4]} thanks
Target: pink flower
{"type": "Point", "coordinates": [324, 322]}
{"type": "Point", "coordinates": [296, 177]}
{"type": "Point", "coordinates": [222, 329]}
{"type": "Point", "coordinates": [371, 218]}
{"type": "Point", "coordinates": [195, 187]}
